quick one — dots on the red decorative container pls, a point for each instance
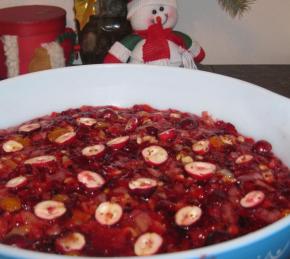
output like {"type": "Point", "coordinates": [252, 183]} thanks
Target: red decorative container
{"type": "Point", "coordinates": [29, 26]}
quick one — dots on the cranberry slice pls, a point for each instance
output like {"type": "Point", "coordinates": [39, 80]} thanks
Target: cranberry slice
{"type": "Point", "coordinates": [49, 210]}
{"type": "Point", "coordinates": [118, 143]}
{"type": "Point", "coordinates": [29, 127]}
{"type": "Point", "coordinates": [201, 147]}
{"type": "Point", "coordinates": [91, 180]}
{"type": "Point", "coordinates": [71, 242]}
{"type": "Point", "coordinates": [252, 199]}
{"type": "Point", "coordinates": [86, 121]}
{"type": "Point", "coordinates": [40, 160]}
{"type": "Point", "coordinates": [96, 150]}
{"type": "Point", "coordinates": [155, 181]}
{"type": "Point", "coordinates": [187, 216]}
{"type": "Point", "coordinates": [108, 213]}
{"type": "Point", "coordinates": [167, 135]}
{"type": "Point", "coordinates": [155, 155]}
{"type": "Point", "coordinates": [148, 244]}
{"type": "Point", "coordinates": [12, 146]}
{"type": "Point", "coordinates": [16, 182]}
{"type": "Point", "coordinates": [65, 138]}
{"type": "Point", "coordinates": [200, 170]}
{"type": "Point", "coordinates": [143, 186]}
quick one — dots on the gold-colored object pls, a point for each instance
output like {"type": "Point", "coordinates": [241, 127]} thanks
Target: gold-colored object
{"type": "Point", "coordinates": [40, 60]}
{"type": "Point", "coordinates": [84, 9]}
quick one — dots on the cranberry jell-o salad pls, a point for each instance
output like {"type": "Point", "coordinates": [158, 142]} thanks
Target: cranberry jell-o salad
{"type": "Point", "coordinates": [109, 181]}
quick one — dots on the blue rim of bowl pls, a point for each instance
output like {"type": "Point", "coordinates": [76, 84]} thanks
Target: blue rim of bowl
{"type": "Point", "coordinates": [209, 251]}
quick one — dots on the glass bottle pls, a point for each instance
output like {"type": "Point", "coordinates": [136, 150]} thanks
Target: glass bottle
{"type": "Point", "coordinates": [106, 25]}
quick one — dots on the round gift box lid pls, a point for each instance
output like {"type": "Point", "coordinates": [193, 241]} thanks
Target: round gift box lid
{"type": "Point", "coordinates": [31, 20]}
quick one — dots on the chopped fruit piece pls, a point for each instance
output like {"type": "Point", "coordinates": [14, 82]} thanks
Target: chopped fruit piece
{"type": "Point", "coordinates": [108, 213]}
{"type": "Point", "coordinates": [12, 146]}
{"type": "Point", "coordinates": [201, 147]}
{"type": "Point", "coordinates": [175, 115]}
{"type": "Point", "coordinates": [268, 176]}
{"type": "Point", "coordinates": [286, 213]}
{"type": "Point", "coordinates": [71, 242]}
{"type": "Point", "coordinates": [216, 142]}
{"type": "Point", "coordinates": [262, 147]}
{"type": "Point", "coordinates": [16, 182]}
{"type": "Point", "coordinates": [57, 132]}
{"type": "Point", "coordinates": [132, 124]}
{"type": "Point", "coordinates": [228, 176]}
{"type": "Point", "coordinates": [143, 186]}
{"type": "Point", "coordinates": [149, 139]}
{"type": "Point", "coordinates": [24, 141]}
{"type": "Point", "coordinates": [102, 124]}
{"type": "Point", "coordinates": [7, 165]}
{"type": "Point", "coordinates": [60, 197]}
{"type": "Point", "coordinates": [118, 143]}
{"type": "Point", "coordinates": [168, 135]}
{"type": "Point", "coordinates": [241, 139]}
{"type": "Point", "coordinates": [200, 170]}
{"type": "Point", "coordinates": [40, 160]}
{"type": "Point", "coordinates": [187, 216]}
{"type": "Point", "coordinates": [65, 138]}
{"type": "Point", "coordinates": [29, 127]}
{"type": "Point", "coordinates": [228, 139]}
{"type": "Point", "coordinates": [97, 181]}
{"type": "Point", "coordinates": [96, 150]}
{"type": "Point", "coordinates": [49, 210]}
{"type": "Point", "coordinates": [79, 217]}
{"type": "Point", "coordinates": [155, 155]}
{"type": "Point", "coordinates": [148, 244]}
{"type": "Point", "coordinates": [112, 172]}
{"type": "Point", "coordinates": [86, 121]}
{"type": "Point", "coordinates": [252, 199]}
{"type": "Point", "coordinates": [186, 160]}
{"type": "Point", "coordinates": [10, 203]}
{"type": "Point", "coordinates": [244, 159]}
{"type": "Point", "coordinates": [91, 180]}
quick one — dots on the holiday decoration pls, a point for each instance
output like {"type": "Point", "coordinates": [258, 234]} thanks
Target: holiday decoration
{"type": "Point", "coordinates": [84, 9]}
{"type": "Point", "coordinates": [100, 24]}
{"type": "Point", "coordinates": [153, 41]}
{"type": "Point", "coordinates": [55, 54]}
{"type": "Point", "coordinates": [33, 38]}
{"type": "Point", "coordinates": [236, 7]}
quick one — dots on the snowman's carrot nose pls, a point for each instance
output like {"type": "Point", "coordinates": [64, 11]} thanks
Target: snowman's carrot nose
{"type": "Point", "coordinates": [158, 19]}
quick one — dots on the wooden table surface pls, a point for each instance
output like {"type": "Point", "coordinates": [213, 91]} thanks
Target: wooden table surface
{"type": "Point", "coordinates": [275, 78]}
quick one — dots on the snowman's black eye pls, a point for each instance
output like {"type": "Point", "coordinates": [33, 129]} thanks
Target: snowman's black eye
{"type": "Point", "coordinates": [154, 11]}
{"type": "Point", "coordinates": [161, 9]}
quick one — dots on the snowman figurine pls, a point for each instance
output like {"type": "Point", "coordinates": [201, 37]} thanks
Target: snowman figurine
{"type": "Point", "coordinates": [153, 41]}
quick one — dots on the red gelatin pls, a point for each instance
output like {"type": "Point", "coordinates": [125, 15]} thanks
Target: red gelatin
{"type": "Point", "coordinates": [156, 181]}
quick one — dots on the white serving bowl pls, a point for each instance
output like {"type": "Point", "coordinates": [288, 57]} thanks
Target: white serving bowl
{"type": "Point", "coordinates": [254, 111]}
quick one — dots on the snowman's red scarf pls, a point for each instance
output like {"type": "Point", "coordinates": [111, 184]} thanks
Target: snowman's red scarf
{"type": "Point", "coordinates": [156, 42]}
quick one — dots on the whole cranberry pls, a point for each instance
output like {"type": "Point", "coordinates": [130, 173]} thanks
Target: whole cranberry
{"type": "Point", "coordinates": [189, 124]}
{"type": "Point", "coordinates": [110, 114]}
{"type": "Point", "coordinates": [227, 128]}
{"type": "Point", "coordinates": [152, 131]}
{"type": "Point", "coordinates": [262, 147]}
